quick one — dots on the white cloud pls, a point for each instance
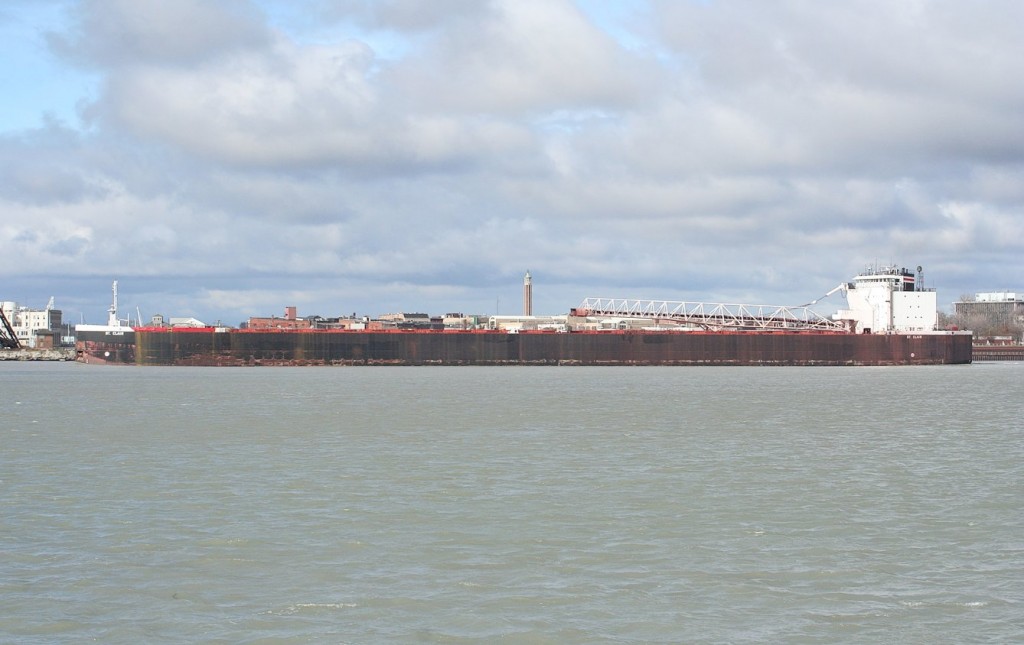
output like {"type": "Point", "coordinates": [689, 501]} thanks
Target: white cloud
{"type": "Point", "coordinates": [127, 33]}
{"type": "Point", "coordinates": [523, 58]}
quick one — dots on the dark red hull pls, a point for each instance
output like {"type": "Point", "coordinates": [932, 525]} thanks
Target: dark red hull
{"type": "Point", "coordinates": [240, 347]}
{"type": "Point", "coordinates": [105, 348]}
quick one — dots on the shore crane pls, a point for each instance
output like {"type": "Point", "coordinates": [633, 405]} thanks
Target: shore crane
{"type": "Point", "coordinates": [8, 339]}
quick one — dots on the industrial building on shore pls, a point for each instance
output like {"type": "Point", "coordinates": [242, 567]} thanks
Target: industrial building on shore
{"type": "Point", "coordinates": [1000, 306]}
{"type": "Point", "coordinates": [996, 317]}
{"type": "Point", "coordinates": [35, 328]}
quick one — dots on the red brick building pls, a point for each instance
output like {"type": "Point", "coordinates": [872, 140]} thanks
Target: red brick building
{"type": "Point", "coordinates": [290, 321]}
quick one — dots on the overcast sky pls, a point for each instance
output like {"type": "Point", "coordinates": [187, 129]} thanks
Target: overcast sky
{"type": "Point", "coordinates": [227, 158]}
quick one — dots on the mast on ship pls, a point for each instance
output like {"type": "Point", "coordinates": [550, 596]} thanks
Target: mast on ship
{"type": "Point", "coordinates": [112, 317]}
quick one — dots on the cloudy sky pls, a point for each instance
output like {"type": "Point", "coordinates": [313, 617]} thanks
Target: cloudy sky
{"type": "Point", "coordinates": [226, 158]}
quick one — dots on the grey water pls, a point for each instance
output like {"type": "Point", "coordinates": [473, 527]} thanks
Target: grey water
{"type": "Point", "coordinates": [511, 504]}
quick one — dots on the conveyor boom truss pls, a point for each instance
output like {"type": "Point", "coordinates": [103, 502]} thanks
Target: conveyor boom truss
{"type": "Point", "coordinates": [8, 338]}
{"type": "Point", "coordinates": [714, 317]}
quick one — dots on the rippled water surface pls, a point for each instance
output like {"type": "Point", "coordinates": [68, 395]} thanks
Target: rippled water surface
{"type": "Point", "coordinates": [514, 504]}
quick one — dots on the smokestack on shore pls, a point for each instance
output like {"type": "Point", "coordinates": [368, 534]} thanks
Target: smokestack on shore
{"type": "Point", "coordinates": [527, 295]}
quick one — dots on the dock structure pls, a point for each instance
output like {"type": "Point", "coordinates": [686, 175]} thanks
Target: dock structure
{"type": "Point", "coordinates": [986, 353]}
{"type": "Point", "coordinates": [23, 354]}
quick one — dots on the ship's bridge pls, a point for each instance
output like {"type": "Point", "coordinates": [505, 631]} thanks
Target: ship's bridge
{"type": "Point", "coordinates": [712, 316]}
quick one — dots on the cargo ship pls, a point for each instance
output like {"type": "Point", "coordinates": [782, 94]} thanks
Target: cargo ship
{"type": "Point", "coordinates": [890, 320]}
